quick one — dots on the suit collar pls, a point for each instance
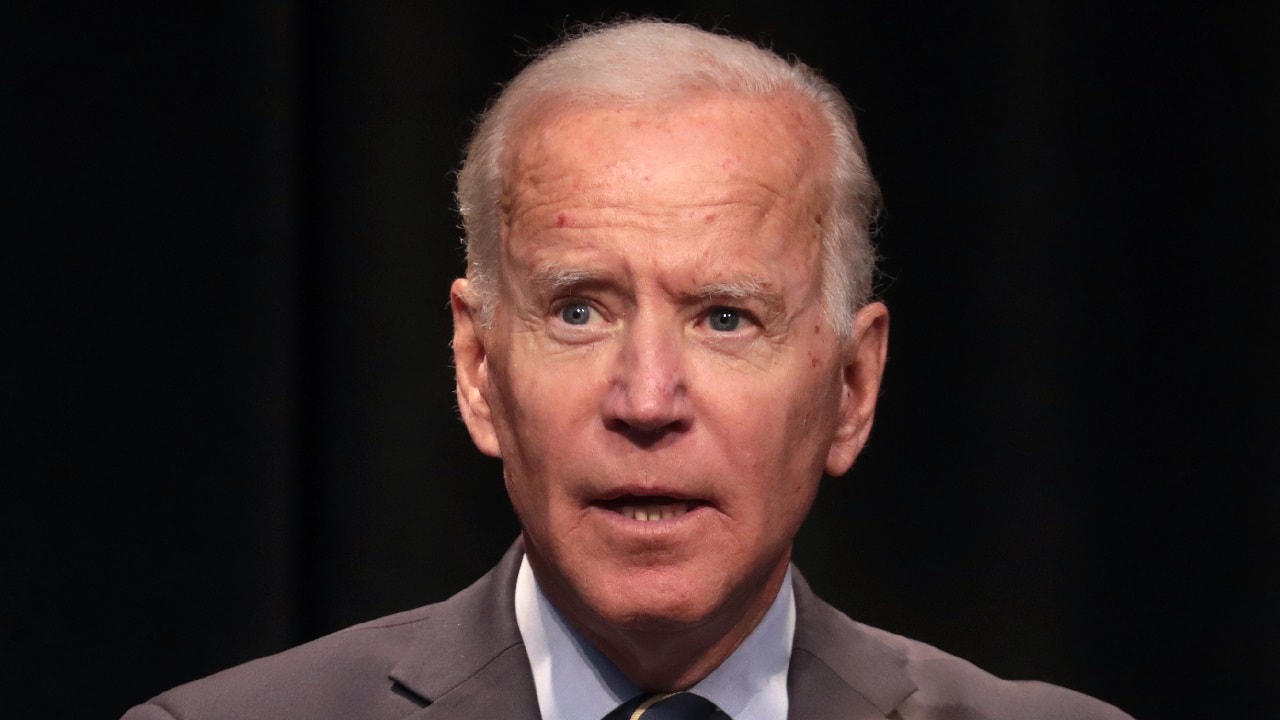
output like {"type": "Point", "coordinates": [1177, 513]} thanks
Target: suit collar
{"type": "Point", "coordinates": [468, 659]}
{"type": "Point", "coordinates": [838, 669]}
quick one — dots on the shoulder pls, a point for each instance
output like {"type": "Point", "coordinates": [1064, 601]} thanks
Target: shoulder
{"type": "Point", "coordinates": [921, 682]}
{"type": "Point", "coordinates": [954, 688]}
{"type": "Point", "coordinates": [385, 668]}
{"type": "Point", "coordinates": [344, 674]}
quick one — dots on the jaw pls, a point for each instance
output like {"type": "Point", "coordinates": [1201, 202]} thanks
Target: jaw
{"type": "Point", "coordinates": [665, 618]}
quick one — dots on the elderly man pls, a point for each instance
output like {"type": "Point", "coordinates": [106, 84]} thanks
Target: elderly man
{"type": "Point", "coordinates": [665, 333]}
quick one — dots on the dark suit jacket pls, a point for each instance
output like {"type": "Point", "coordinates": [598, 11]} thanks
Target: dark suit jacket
{"type": "Point", "coordinates": [464, 659]}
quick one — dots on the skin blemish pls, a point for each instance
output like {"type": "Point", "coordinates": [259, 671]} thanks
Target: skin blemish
{"type": "Point", "coordinates": [816, 328]}
{"type": "Point", "coordinates": [709, 218]}
{"type": "Point", "coordinates": [562, 219]}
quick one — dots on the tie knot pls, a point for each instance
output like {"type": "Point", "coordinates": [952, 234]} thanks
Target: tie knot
{"type": "Point", "coordinates": [665, 706]}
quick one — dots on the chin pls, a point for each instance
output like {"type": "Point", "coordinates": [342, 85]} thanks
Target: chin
{"type": "Point", "coordinates": [658, 602]}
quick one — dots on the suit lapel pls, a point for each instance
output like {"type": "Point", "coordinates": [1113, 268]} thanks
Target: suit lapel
{"type": "Point", "coordinates": [838, 670]}
{"type": "Point", "coordinates": [468, 659]}
{"type": "Point", "coordinates": [815, 692]}
{"type": "Point", "coordinates": [501, 689]}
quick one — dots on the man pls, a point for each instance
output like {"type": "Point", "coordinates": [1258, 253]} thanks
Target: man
{"type": "Point", "coordinates": [665, 332]}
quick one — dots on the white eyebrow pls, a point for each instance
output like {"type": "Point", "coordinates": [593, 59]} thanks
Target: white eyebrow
{"type": "Point", "coordinates": [555, 277]}
{"type": "Point", "coordinates": [558, 277]}
{"type": "Point", "coordinates": [740, 288]}
{"type": "Point", "coordinates": [745, 288]}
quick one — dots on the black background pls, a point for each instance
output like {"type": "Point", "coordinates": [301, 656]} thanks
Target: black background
{"type": "Point", "coordinates": [229, 425]}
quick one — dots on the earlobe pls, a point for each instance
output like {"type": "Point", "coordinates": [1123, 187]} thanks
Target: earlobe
{"type": "Point", "coordinates": [471, 364]}
{"type": "Point", "coordinates": [863, 368]}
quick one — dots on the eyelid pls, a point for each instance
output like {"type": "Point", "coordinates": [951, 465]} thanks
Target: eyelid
{"type": "Point", "coordinates": [560, 303]}
{"type": "Point", "coordinates": [736, 305]}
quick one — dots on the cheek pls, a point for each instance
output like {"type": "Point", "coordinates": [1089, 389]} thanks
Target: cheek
{"type": "Point", "coordinates": [781, 422]}
{"type": "Point", "coordinates": [546, 411]}
{"type": "Point", "coordinates": [781, 436]}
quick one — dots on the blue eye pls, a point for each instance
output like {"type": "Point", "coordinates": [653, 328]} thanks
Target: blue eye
{"type": "Point", "coordinates": [724, 319]}
{"type": "Point", "coordinates": [576, 313]}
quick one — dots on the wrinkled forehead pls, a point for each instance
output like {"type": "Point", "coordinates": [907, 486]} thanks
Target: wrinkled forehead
{"type": "Point", "coordinates": [697, 138]}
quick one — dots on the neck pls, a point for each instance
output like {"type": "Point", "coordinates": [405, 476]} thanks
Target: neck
{"type": "Point", "coordinates": [661, 656]}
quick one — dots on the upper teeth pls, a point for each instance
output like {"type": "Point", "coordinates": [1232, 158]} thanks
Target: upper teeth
{"type": "Point", "coordinates": [655, 512]}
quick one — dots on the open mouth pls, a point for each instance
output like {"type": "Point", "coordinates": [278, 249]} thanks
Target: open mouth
{"type": "Point", "coordinates": [650, 508]}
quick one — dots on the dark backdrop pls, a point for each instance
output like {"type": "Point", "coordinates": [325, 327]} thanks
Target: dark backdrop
{"type": "Point", "coordinates": [229, 425]}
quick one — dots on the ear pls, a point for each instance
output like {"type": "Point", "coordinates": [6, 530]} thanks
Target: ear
{"type": "Point", "coordinates": [471, 363]}
{"type": "Point", "coordinates": [863, 359]}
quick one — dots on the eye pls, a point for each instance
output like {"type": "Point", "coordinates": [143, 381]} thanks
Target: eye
{"type": "Point", "coordinates": [576, 313]}
{"type": "Point", "coordinates": [724, 319]}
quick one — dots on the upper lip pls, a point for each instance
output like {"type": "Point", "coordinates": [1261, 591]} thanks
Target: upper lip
{"type": "Point", "coordinates": [641, 493]}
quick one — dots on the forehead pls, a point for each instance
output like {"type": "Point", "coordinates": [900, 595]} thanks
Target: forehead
{"type": "Point", "coordinates": [726, 148]}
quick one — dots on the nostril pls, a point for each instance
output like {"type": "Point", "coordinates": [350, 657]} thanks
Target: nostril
{"type": "Point", "coordinates": [646, 435]}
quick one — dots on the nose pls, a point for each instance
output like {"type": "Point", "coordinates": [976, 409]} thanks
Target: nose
{"type": "Point", "coordinates": [648, 399]}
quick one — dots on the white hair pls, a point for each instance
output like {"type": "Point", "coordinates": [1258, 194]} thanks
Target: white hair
{"type": "Point", "coordinates": [645, 61]}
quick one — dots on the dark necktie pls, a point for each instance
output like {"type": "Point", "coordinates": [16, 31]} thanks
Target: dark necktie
{"type": "Point", "coordinates": [664, 706]}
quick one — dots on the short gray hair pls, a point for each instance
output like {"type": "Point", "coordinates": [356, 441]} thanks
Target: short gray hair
{"type": "Point", "coordinates": [635, 62]}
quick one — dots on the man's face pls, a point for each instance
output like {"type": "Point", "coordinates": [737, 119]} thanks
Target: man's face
{"type": "Point", "coordinates": [659, 378]}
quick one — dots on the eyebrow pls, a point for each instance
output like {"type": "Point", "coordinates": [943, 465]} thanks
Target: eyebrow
{"type": "Point", "coordinates": [744, 288]}
{"type": "Point", "coordinates": [559, 277]}
{"type": "Point", "coordinates": [554, 278]}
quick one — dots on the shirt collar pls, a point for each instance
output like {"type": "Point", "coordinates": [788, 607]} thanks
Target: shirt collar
{"type": "Point", "coordinates": [575, 681]}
